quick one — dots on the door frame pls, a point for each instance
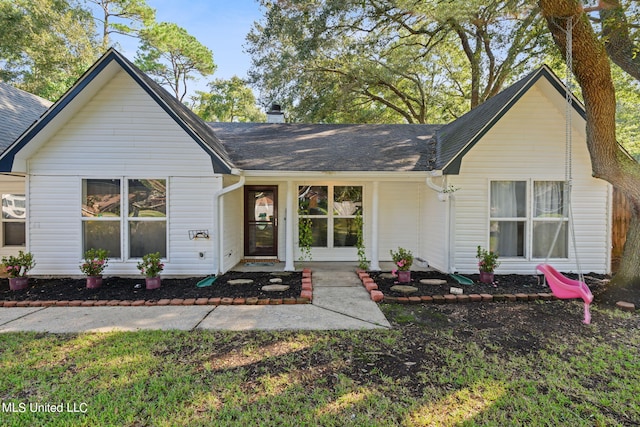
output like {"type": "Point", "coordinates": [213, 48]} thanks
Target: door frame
{"type": "Point", "coordinates": [247, 224]}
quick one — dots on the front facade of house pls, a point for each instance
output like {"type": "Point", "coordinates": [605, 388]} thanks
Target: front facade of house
{"type": "Point", "coordinates": [115, 164]}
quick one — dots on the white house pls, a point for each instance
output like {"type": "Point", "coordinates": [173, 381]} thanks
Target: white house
{"type": "Point", "coordinates": [118, 163]}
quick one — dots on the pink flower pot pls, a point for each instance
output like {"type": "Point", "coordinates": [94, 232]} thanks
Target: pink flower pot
{"type": "Point", "coordinates": [152, 282]}
{"type": "Point", "coordinates": [18, 283]}
{"type": "Point", "coordinates": [94, 282]}
{"type": "Point", "coordinates": [404, 276]}
{"type": "Point", "coordinates": [486, 277]}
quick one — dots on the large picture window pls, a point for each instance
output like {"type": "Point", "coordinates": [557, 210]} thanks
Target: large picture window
{"type": "Point", "coordinates": [332, 211]}
{"type": "Point", "coordinates": [525, 226]}
{"type": "Point", "coordinates": [14, 214]}
{"type": "Point", "coordinates": [143, 216]}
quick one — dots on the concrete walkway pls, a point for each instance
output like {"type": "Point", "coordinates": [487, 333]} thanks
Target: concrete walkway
{"type": "Point", "coordinates": [339, 302]}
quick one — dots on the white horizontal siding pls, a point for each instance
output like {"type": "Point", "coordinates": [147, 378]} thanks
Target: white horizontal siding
{"type": "Point", "coordinates": [435, 231]}
{"type": "Point", "coordinates": [528, 143]}
{"type": "Point", "coordinates": [399, 218]}
{"type": "Point", "coordinates": [121, 131]}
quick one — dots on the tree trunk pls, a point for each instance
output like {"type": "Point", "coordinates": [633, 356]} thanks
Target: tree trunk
{"type": "Point", "coordinates": [609, 162]}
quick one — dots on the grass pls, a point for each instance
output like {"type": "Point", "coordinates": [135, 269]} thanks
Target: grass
{"type": "Point", "coordinates": [412, 375]}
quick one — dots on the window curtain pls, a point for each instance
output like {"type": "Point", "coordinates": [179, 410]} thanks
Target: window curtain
{"type": "Point", "coordinates": [549, 204]}
{"type": "Point", "coordinates": [508, 202]}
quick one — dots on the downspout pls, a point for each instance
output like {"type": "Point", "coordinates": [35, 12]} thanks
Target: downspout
{"type": "Point", "coordinates": [219, 225]}
{"type": "Point", "coordinates": [442, 196]}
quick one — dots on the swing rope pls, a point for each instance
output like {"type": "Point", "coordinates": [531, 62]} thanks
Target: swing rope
{"type": "Point", "coordinates": [568, 177]}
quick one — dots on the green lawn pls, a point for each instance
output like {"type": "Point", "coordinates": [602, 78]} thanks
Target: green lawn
{"type": "Point", "coordinates": [428, 370]}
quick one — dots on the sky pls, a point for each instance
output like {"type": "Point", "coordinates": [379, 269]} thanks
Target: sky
{"type": "Point", "coordinates": [220, 25]}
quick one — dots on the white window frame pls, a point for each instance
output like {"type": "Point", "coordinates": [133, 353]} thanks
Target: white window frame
{"type": "Point", "coordinates": [331, 216]}
{"type": "Point", "coordinates": [124, 218]}
{"type": "Point", "coordinates": [22, 221]}
{"type": "Point", "coordinates": [529, 219]}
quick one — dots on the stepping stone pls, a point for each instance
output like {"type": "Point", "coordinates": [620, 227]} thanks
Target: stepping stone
{"type": "Point", "coordinates": [281, 273]}
{"type": "Point", "coordinates": [387, 276]}
{"type": "Point", "coordinates": [275, 288]}
{"type": "Point", "coordinates": [240, 282]}
{"type": "Point", "coordinates": [433, 281]}
{"type": "Point", "coordinates": [276, 280]}
{"type": "Point", "coordinates": [404, 289]}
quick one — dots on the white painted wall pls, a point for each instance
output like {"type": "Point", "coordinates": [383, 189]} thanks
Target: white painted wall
{"type": "Point", "coordinates": [120, 133]}
{"type": "Point", "coordinates": [435, 229]}
{"type": "Point", "coordinates": [528, 143]}
{"type": "Point", "coordinates": [400, 218]}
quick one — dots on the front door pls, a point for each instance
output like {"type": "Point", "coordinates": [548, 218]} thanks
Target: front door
{"type": "Point", "coordinates": [261, 220]}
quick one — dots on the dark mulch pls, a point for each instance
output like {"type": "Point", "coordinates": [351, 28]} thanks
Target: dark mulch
{"type": "Point", "coordinates": [506, 284]}
{"type": "Point", "coordinates": [117, 288]}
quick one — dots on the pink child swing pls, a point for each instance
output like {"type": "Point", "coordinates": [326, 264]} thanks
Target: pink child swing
{"type": "Point", "coordinates": [562, 286]}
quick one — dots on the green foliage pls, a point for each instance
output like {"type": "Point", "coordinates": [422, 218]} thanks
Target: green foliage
{"type": "Point", "coordinates": [228, 101]}
{"type": "Point", "coordinates": [95, 261]}
{"type": "Point", "coordinates": [171, 55]}
{"type": "Point", "coordinates": [18, 266]}
{"type": "Point", "coordinates": [487, 260]}
{"type": "Point", "coordinates": [363, 263]}
{"type": "Point", "coordinates": [402, 258]}
{"type": "Point", "coordinates": [390, 61]}
{"type": "Point", "coordinates": [131, 16]}
{"type": "Point", "coordinates": [151, 265]}
{"type": "Point", "coordinates": [45, 45]}
{"type": "Point", "coordinates": [305, 238]}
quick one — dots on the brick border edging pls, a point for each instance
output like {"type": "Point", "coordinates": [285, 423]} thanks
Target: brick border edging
{"type": "Point", "coordinates": [377, 296]}
{"type": "Point", "coordinates": [306, 296]}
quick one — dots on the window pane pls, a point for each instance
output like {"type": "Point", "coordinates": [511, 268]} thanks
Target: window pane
{"type": "Point", "coordinates": [543, 234]}
{"type": "Point", "coordinates": [13, 206]}
{"type": "Point", "coordinates": [347, 200]}
{"type": "Point", "coordinates": [102, 235]}
{"type": "Point", "coordinates": [508, 199]}
{"type": "Point", "coordinates": [14, 234]}
{"type": "Point", "coordinates": [548, 199]}
{"type": "Point", "coordinates": [345, 232]}
{"type": "Point", "coordinates": [507, 238]}
{"type": "Point", "coordinates": [312, 200]}
{"type": "Point", "coordinates": [101, 197]}
{"type": "Point", "coordinates": [148, 198]}
{"type": "Point", "coordinates": [147, 237]}
{"type": "Point", "coordinates": [319, 232]}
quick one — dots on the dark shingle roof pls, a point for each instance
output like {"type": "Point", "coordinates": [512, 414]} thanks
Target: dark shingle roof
{"type": "Point", "coordinates": [18, 110]}
{"type": "Point", "coordinates": [328, 147]}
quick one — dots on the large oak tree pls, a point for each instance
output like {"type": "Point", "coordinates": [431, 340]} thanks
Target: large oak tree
{"type": "Point", "coordinates": [591, 54]}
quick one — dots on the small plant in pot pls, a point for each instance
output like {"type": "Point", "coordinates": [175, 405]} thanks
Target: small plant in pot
{"type": "Point", "coordinates": [487, 263]}
{"type": "Point", "coordinates": [403, 259]}
{"type": "Point", "coordinates": [17, 268]}
{"type": "Point", "coordinates": [95, 261]}
{"type": "Point", "coordinates": [151, 266]}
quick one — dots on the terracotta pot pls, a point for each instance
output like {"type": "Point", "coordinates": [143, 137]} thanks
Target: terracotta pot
{"type": "Point", "coordinates": [486, 277]}
{"type": "Point", "coordinates": [152, 282]}
{"type": "Point", "coordinates": [18, 283]}
{"type": "Point", "coordinates": [94, 282]}
{"type": "Point", "coordinates": [404, 276]}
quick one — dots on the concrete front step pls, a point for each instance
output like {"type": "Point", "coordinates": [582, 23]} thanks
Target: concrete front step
{"type": "Point", "coordinates": [335, 279]}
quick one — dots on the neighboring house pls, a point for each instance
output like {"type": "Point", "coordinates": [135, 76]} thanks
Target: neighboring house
{"type": "Point", "coordinates": [118, 163]}
{"type": "Point", "coordinates": [18, 110]}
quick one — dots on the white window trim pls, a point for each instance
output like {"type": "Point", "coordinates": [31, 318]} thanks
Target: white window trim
{"type": "Point", "coordinates": [124, 217]}
{"type": "Point", "coordinates": [528, 219]}
{"type": "Point", "coordinates": [330, 215]}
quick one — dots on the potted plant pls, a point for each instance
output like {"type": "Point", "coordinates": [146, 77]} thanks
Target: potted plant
{"type": "Point", "coordinates": [17, 267]}
{"type": "Point", "coordinates": [151, 266]}
{"type": "Point", "coordinates": [95, 261]}
{"type": "Point", "coordinates": [487, 263]}
{"type": "Point", "coordinates": [403, 259]}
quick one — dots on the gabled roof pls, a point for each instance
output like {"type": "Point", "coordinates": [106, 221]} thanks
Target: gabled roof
{"type": "Point", "coordinates": [328, 147]}
{"type": "Point", "coordinates": [458, 137]}
{"type": "Point", "coordinates": [18, 110]}
{"type": "Point", "coordinates": [189, 121]}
